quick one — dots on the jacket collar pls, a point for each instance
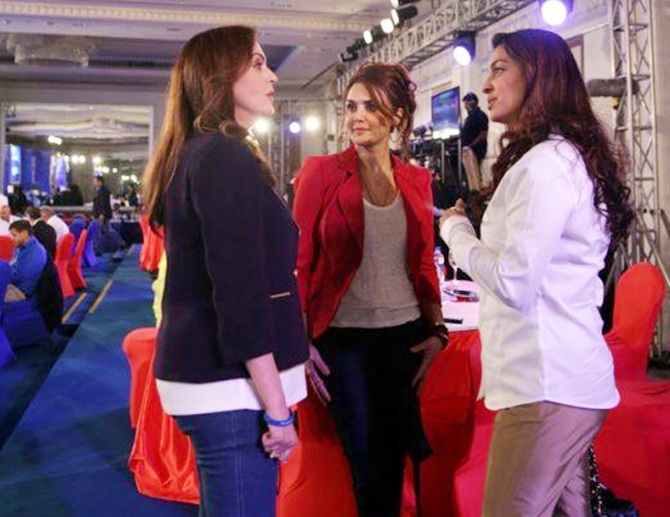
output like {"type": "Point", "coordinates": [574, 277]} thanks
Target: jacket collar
{"type": "Point", "coordinates": [350, 194]}
{"type": "Point", "coordinates": [349, 162]}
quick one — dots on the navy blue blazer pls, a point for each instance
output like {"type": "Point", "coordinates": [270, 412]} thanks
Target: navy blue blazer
{"type": "Point", "coordinates": [230, 290]}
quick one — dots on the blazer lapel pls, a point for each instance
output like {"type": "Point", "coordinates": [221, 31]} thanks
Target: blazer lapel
{"type": "Point", "coordinates": [350, 197]}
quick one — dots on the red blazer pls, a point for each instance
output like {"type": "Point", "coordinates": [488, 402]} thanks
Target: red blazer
{"type": "Point", "coordinates": [329, 211]}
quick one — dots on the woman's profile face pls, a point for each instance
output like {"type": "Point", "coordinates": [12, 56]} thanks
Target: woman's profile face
{"type": "Point", "coordinates": [505, 87]}
{"type": "Point", "coordinates": [253, 92]}
{"type": "Point", "coordinates": [363, 118]}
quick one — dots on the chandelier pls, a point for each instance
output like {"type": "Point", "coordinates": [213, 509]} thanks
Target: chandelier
{"type": "Point", "coordinates": [46, 50]}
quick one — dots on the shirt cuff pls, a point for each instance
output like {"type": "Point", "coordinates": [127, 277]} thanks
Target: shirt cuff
{"type": "Point", "coordinates": [455, 223]}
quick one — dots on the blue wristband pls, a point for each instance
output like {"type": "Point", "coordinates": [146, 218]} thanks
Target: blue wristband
{"type": "Point", "coordinates": [280, 423]}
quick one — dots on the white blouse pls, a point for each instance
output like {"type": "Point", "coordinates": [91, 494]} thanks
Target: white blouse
{"type": "Point", "coordinates": [542, 246]}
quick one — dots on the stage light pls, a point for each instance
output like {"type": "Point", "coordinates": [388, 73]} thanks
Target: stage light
{"type": "Point", "coordinates": [399, 3]}
{"type": "Point", "coordinates": [294, 126]}
{"type": "Point", "coordinates": [554, 12]}
{"type": "Point", "coordinates": [464, 48]}
{"type": "Point", "coordinates": [406, 13]}
{"type": "Point", "coordinates": [54, 140]}
{"type": "Point", "coordinates": [97, 160]}
{"type": "Point", "coordinates": [374, 34]}
{"type": "Point", "coordinates": [367, 37]}
{"type": "Point", "coordinates": [348, 56]}
{"type": "Point", "coordinates": [312, 123]}
{"type": "Point", "coordinates": [262, 126]}
{"type": "Point", "coordinates": [387, 25]}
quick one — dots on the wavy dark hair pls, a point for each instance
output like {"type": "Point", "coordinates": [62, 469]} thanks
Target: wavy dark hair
{"type": "Point", "coordinates": [200, 97]}
{"type": "Point", "coordinates": [556, 101]}
{"type": "Point", "coordinates": [391, 87]}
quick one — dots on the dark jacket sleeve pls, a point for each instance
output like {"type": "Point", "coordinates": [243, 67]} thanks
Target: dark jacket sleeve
{"type": "Point", "coordinates": [228, 194]}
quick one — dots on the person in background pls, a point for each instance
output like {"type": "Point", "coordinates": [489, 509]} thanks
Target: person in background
{"type": "Point", "coordinates": [6, 218]}
{"type": "Point", "coordinates": [475, 130]}
{"type": "Point", "coordinates": [49, 217]}
{"type": "Point", "coordinates": [76, 198]}
{"type": "Point", "coordinates": [27, 263]}
{"type": "Point", "coordinates": [368, 285]}
{"type": "Point", "coordinates": [102, 207]}
{"type": "Point", "coordinates": [42, 231]}
{"type": "Point", "coordinates": [232, 346]}
{"type": "Point", "coordinates": [17, 200]}
{"type": "Point", "coordinates": [558, 203]}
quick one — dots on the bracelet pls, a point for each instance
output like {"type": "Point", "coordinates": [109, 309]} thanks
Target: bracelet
{"type": "Point", "coordinates": [280, 423]}
{"type": "Point", "coordinates": [441, 332]}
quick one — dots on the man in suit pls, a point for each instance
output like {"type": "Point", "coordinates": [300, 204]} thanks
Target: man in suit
{"type": "Point", "coordinates": [102, 207]}
{"type": "Point", "coordinates": [27, 264]}
{"type": "Point", "coordinates": [42, 231]}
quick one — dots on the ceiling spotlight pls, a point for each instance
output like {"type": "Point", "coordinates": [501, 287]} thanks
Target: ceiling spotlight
{"type": "Point", "coordinates": [374, 34]}
{"type": "Point", "coordinates": [406, 13]}
{"type": "Point", "coordinates": [387, 25]}
{"type": "Point", "coordinates": [399, 3]}
{"type": "Point", "coordinates": [312, 123]}
{"type": "Point", "coordinates": [54, 140]}
{"type": "Point", "coordinates": [294, 126]}
{"type": "Point", "coordinates": [464, 47]}
{"type": "Point", "coordinates": [262, 126]}
{"type": "Point", "coordinates": [348, 56]}
{"type": "Point", "coordinates": [554, 12]}
{"type": "Point", "coordinates": [367, 37]}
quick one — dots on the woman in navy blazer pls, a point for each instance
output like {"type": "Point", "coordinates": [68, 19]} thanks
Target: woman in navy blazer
{"type": "Point", "coordinates": [231, 344]}
{"type": "Point", "coordinates": [368, 285]}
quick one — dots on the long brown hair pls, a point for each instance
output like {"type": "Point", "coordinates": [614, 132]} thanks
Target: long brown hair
{"type": "Point", "coordinates": [392, 89]}
{"type": "Point", "coordinates": [556, 101]}
{"type": "Point", "coordinates": [200, 97]}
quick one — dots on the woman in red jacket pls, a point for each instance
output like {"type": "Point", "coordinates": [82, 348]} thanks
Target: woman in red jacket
{"type": "Point", "coordinates": [368, 284]}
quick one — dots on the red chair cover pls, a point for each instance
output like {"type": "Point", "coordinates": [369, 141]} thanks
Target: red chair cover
{"type": "Point", "coordinates": [633, 447]}
{"type": "Point", "coordinates": [74, 265]}
{"type": "Point", "coordinates": [139, 347]}
{"type": "Point", "coordinates": [637, 304]}
{"type": "Point", "coordinates": [316, 481]}
{"type": "Point", "coordinates": [152, 246]}
{"type": "Point", "coordinates": [6, 247]}
{"type": "Point", "coordinates": [62, 260]}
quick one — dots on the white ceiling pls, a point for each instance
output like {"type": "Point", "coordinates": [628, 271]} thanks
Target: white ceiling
{"type": "Point", "coordinates": [136, 42]}
{"type": "Point", "coordinates": [153, 31]}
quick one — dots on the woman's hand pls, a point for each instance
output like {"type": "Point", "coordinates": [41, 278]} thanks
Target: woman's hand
{"type": "Point", "coordinates": [457, 209]}
{"type": "Point", "coordinates": [279, 442]}
{"type": "Point", "coordinates": [430, 348]}
{"type": "Point", "coordinates": [314, 368]}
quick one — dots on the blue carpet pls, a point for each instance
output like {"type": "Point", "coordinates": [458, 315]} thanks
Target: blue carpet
{"type": "Point", "coordinates": [20, 381]}
{"type": "Point", "coordinates": [68, 454]}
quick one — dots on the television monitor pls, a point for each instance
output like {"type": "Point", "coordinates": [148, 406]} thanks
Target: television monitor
{"type": "Point", "coordinates": [446, 113]}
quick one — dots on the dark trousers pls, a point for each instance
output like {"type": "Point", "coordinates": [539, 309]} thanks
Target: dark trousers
{"type": "Point", "coordinates": [237, 478]}
{"type": "Point", "coordinates": [375, 408]}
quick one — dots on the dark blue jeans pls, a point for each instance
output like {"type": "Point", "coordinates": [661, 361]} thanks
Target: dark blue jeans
{"type": "Point", "coordinates": [375, 408]}
{"type": "Point", "coordinates": [237, 478]}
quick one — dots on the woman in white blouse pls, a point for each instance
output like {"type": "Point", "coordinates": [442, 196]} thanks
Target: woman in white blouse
{"type": "Point", "coordinates": [558, 202]}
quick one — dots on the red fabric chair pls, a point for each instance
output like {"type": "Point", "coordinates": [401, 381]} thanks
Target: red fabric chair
{"type": "Point", "coordinates": [633, 446]}
{"type": "Point", "coordinates": [62, 260]}
{"type": "Point", "coordinates": [74, 265]}
{"type": "Point", "coordinates": [447, 408]}
{"type": "Point", "coordinates": [139, 347]}
{"type": "Point", "coordinates": [6, 247]}
{"type": "Point", "coordinates": [637, 304]}
{"type": "Point", "coordinates": [152, 246]}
